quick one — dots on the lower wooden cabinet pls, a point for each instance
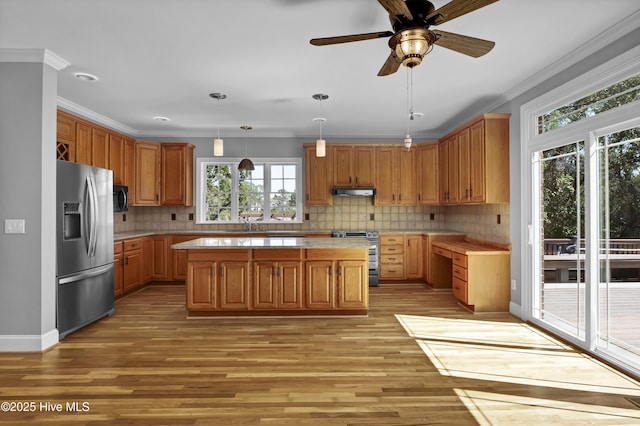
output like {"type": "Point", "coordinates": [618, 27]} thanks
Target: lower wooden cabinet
{"type": "Point", "coordinates": [277, 279]}
{"type": "Point", "coordinates": [118, 269]}
{"type": "Point", "coordinates": [133, 264]}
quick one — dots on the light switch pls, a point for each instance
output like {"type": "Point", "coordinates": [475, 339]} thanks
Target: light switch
{"type": "Point", "coordinates": [14, 226]}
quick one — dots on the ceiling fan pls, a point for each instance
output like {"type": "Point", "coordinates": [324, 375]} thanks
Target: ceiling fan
{"type": "Point", "coordinates": [411, 38]}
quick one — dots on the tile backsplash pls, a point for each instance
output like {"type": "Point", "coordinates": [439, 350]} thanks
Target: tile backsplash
{"type": "Point", "coordinates": [477, 221]}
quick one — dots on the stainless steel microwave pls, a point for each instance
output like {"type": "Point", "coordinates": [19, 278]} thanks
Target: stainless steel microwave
{"type": "Point", "coordinates": [120, 198]}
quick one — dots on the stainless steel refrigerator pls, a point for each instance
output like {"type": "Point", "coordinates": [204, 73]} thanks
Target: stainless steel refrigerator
{"type": "Point", "coordinates": [84, 213]}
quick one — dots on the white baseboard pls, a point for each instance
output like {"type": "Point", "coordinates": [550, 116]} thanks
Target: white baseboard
{"type": "Point", "coordinates": [28, 343]}
{"type": "Point", "coordinates": [515, 309]}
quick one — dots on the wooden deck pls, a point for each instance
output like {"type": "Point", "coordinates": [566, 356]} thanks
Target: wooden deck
{"type": "Point", "coordinates": [418, 359]}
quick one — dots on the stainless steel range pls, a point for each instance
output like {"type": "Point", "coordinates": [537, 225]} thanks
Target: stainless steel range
{"type": "Point", "coordinates": [374, 238]}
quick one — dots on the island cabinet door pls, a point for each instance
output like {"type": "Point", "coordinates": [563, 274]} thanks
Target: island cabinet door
{"type": "Point", "coordinates": [265, 285]}
{"type": "Point", "coordinates": [234, 285]}
{"type": "Point", "coordinates": [201, 285]}
{"type": "Point", "coordinates": [289, 285]}
{"type": "Point", "coordinates": [353, 284]}
{"type": "Point", "coordinates": [320, 284]}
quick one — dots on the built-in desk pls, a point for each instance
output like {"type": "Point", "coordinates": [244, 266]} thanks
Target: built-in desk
{"type": "Point", "coordinates": [478, 272]}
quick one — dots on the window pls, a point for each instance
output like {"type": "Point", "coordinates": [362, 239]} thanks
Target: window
{"type": "Point", "coordinates": [268, 194]}
{"type": "Point", "coordinates": [611, 97]}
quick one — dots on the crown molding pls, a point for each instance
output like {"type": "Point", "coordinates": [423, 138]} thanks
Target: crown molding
{"type": "Point", "coordinates": [35, 56]}
{"type": "Point", "coordinates": [95, 117]}
{"type": "Point", "coordinates": [600, 41]}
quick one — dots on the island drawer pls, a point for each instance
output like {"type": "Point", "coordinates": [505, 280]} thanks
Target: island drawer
{"type": "Point", "coordinates": [219, 254]}
{"type": "Point", "coordinates": [339, 254]}
{"type": "Point", "coordinates": [277, 254]}
{"type": "Point", "coordinates": [117, 247]}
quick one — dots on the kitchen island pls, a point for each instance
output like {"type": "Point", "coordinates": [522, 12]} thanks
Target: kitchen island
{"type": "Point", "coordinates": [276, 276]}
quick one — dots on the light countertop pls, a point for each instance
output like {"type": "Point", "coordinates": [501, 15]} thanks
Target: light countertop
{"type": "Point", "coordinates": [273, 243]}
{"type": "Point", "coordinates": [274, 233]}
{"type": "Point", "coordinates": [473, 247]}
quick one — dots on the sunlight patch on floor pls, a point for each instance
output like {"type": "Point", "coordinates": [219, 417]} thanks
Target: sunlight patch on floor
{"type": "Point", "coordinates": [491, 408]}
{"type": "Point", "coordinates": [510, 352]}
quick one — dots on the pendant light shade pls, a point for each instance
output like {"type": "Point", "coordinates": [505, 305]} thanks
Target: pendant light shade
{"type": "Point", "coordinates": [218, 147]}
{"type": "Point", "coordinates": [321, 144]}
{"type": "Point", "coordinates": [218, 144]}
{"type": "Point", "coordinates": [246, 164]}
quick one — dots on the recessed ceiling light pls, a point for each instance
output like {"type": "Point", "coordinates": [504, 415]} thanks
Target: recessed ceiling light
{"type": "Point", "coordinates": [159, 118]}
{"type": "Point", "coordinates": [84, 76]}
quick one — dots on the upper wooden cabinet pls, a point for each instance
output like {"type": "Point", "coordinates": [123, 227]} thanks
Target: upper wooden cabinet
{"type": "Point", "coordinates": [83, 143]}
{"type": "Point", "coordinates": [428, 190]}
{"type": "Point", "coordinates": [66, 136]}
{"type": "Point", "coordinates": [479, 170]}
{"type": "Point", "coordinates": [318, 173]}
{"type": "Point", "coordinates": [99, 147]}
{"type": "Point", "coordinates": [177, 174]}
{"type": "Point", "coordinates": [448, 170]}
{"type": "Point", "coordinates": [147, 170]}
{"type": "Point", "coordinates": [353, 165]}
{"type": "Point", "coordinates": [395, 176]}
{"type": "Point", "coordinates": [121, 154]}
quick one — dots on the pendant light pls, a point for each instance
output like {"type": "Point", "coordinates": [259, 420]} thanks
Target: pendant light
{"type": "Point", "coordinates": [321, 144]}
{"type": "Point", "coordinates": [246, 164]}
{"type": "Point", "coordinates": [218, 144]}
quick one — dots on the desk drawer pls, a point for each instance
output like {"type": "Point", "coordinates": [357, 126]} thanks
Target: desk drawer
{"type": "Point", "coordinates": [392, 259]}
{"type": "Point", "coordinates": [459, 259]}
{"type": "Point", "coordinates": [460, 272]}
{"type": "Point", "coordinates": [391, 271]}
{"type": "Point", "coordinates": [460, 290]}
{"type": "Point", "coordinates": [391, 249]}
{"type": "Point", "coordinates": [442, 252]}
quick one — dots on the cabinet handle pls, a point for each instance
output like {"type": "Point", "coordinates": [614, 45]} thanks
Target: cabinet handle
{"type": "Point", "coordinates": [275, 270]}
{"type": "Point", "coordinates": [419, 197]}
{"type": "Point", "coordinates": [122, 261]}
{"type": "Point", "coordinates": [330, 270]}
{"type": "Point", "coordinates": [393, 197]}
{"type": "Point", "coordinates": [126, 260]}
{"type": "Point", "coordinates": [340, 271]}
{"type": "Point", "coordinates": [349, 179]}
{"type": "Point", "coordinates": [213, 272]}
{"type": "Point", "coordinates": [222, 272]}
{"type": "Point", "coordinates": [392, 258]}
{"type": "Point", "coordinates": [356, 179]}
{"type": "Point", "coordinates": [307, 197]}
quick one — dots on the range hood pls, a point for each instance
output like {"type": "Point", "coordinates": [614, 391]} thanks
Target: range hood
{"type": "Point", "coordinates": [354, 192]}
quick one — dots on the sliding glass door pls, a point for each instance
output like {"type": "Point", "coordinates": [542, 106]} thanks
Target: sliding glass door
{"type": "Point", "coordinates": [618, 293]}
{"type": "Point", "coordinates": [559, 287]}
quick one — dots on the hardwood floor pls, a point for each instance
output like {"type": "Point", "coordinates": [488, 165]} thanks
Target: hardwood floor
{"type": "Point", "coordinates": [417, 359]}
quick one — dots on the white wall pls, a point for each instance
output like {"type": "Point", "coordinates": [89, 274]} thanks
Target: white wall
{"type": "Point", "coordinates": [28, 92]}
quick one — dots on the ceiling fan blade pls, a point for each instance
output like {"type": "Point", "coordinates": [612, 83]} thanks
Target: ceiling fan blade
{"type": "Point", "coordinates": [349, 38]}
{"type": "Point", "coordinates": [456, 8]}
{"type": "Point", "coordinates": [396, 7]}
{"type": "Point", "coordinates": [391, 65]}
{"type": "Point", "coordinates": [474, 47]}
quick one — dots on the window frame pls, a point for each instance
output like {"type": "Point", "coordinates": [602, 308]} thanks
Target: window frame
{"type": "Point", "coordinates": [200, 204]}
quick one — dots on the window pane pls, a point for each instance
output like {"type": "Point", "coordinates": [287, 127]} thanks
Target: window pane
{"type": "Point", "coordinates": [560, 289]}
{"type": "Point", "coordinates": [289, 171]}
{"type": "Point", "coordinates": [276, 172]}
{"type": "Point", "coordinates": [618, 94]}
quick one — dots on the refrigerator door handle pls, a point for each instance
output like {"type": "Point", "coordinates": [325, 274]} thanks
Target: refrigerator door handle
{"type": "Point", "coordinates": [85, 274]}
{"type": "Point", "coordinates": [93, 219]}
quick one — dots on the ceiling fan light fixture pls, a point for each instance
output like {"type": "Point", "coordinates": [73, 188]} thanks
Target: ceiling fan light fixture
{"type": "Point", "coordinates": [407, 142]}
{"type": "Point", "coordinates": [412, 44]}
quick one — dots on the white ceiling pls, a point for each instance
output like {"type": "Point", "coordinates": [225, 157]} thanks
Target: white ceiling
{"type": "Point", "coordinates": [164, 57]}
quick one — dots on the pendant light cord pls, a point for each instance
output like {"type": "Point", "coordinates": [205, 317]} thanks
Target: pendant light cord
{"type": "Point", "coordinates": [409, 96]}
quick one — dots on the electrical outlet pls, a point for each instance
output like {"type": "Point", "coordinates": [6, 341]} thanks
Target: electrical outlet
{"type": "Point", "coordinates": [432, 216]}
{"type": "Point", "coordinates": [124, 217]}
{"type": "Point", "coordinates": [513, 284]}
{"type": "Point", "coordinates": [14, 226]}
{"type": "Point", "coordinates": [498, 219]}
{"type": "Point", "coordinates": [173, 216]}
